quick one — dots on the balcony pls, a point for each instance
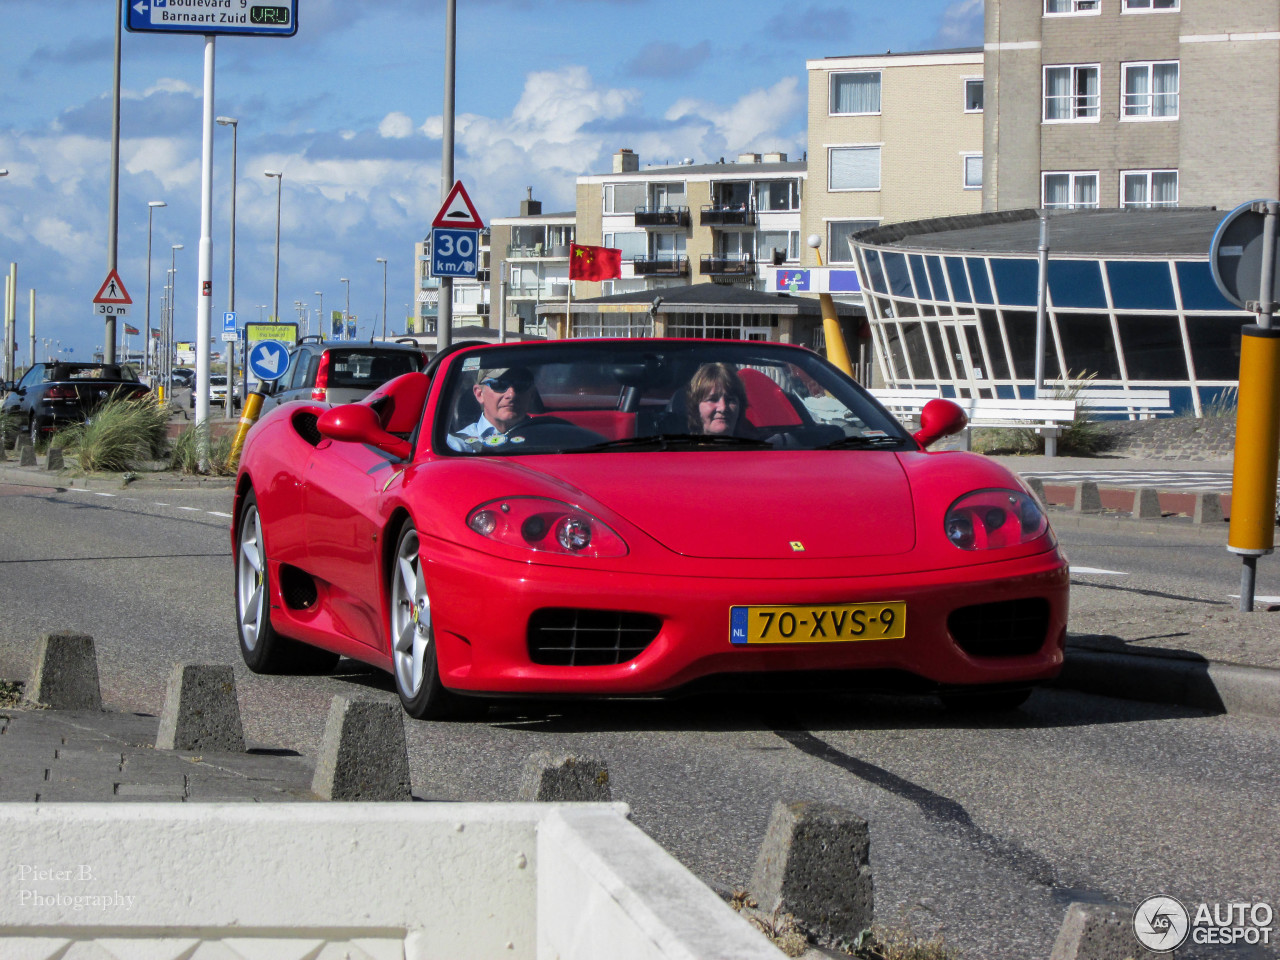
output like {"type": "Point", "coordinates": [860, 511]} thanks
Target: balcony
{"type": "Point", "coordinates": [727, 215]}
{"type": "Point", "coordinates": [534, 251]}
{"type": "Point", "coordinates": [743, 266]}
{"type": "Point", "coordinates": [662, 216]}
{"type": "Point", "coordinates": [661, 266]}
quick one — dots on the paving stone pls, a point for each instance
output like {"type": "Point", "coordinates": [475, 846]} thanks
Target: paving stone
{"type": "Point", "coordinates": [364, 755]}
{"type": "Point", "coordinates": [65, 674]}
{"type": "Point", "coordinates": [97, 791]}
{"type": "Point", "coordinates": [565, 777]}
{"type": "Point", "coordinates": [201, 711]}
{"type": "Point", "coordinates": [813, 864]}
{"type": "Point", "coordinates": [1098, 931]}
{"type": "Point", "coordinates": [161, 791]}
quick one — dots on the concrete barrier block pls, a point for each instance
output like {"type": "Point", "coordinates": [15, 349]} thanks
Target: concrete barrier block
{"type": "Point", "coordinates": [1098, 931]}
{"type": "Point", "coordinates": [26, 454]}
{"type": "Point", "coordinates": [1208, 508]}
{"type": "Point", "coordinates": [565, 777]}
{"type": "Point", "coordinates": [65, 673]}
{"type": "Point", "coordinates": [54, 460]}
{"type": "Point", "coordinates": [1146, 504]}
{"type": "Point", "coordinates": [201, 711]}
{"type": "Point", "coordinates": [1037, 487]}
{"type": "Point", "coordinates": [813, 864]}
{"type": "Point", "coordinates": [1087, 499]}
{"type": "Point", "coordinates": [364, 755]}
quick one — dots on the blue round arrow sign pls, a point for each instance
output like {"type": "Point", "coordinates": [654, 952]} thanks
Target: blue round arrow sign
{"type": "Point", "coordinates": [268, 359]}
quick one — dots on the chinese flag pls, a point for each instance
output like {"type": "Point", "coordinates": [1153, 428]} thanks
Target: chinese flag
{"type": "Point", "coordinates": [130, 331]}
{"type": "Point", "coordinates": [594, 263]}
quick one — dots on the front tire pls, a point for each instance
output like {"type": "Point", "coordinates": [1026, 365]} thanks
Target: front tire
{"type": "Point", "coordinates": [262, 648]}
{"type": "Point", "coordinates": [413, 641]}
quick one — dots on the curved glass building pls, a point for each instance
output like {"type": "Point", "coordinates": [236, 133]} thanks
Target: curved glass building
{"type": "Point", "coordinates": [1131, 303]}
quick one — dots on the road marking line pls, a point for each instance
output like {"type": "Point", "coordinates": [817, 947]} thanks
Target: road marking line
{"type": "Point", "coordinates": [1097, 571]}
{"type": "Point", "coordinates": [1256, 599]}
{"type": "Point", "coordinates": [215, 513]}
{"type": "Point", "coordinates": [99, 493]}
{"type": "Point", "coordinates": [195, 509]}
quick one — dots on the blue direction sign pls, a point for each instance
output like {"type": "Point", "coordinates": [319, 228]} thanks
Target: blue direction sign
{"type": "Point", "coordinates": [267, 359]}
{"type": "Point", "coordinates": [242, 18]}
{"type": "Point", "coordinates": [454, 253]}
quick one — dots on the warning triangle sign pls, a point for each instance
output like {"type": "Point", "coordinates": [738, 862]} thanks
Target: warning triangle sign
{"type": "Point", "coordinates": [112, 290]}
{"type": "Point", "coordinates": [457, 211]}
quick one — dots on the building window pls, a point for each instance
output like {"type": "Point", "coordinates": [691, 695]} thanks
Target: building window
{"type": "Point", "coordinates": [1070, 190]}
{"type": "Point", "coordinates": [1150, 91]}
{"type": "Point", "coordinates": [667, 245]}
{"type": "Point", "coordinates": [624, 197]}
{"type": "Point", "coordinates": [855, 93]}
{"type": "Point", "coordinates": [853, 168]}
{"type": "Point", "coordinates": [1067, 8]}
{"type": "Point", "coordinates": [769, 241]}
{"type": "Point", "coordinates": [972, 171]}
{"type": "Point", "coordinates": [632, 244]}
{"type": "Point", "coordinates": [1071, 93]}
{"type": "Point", "coordinates": [1149, 188]}
{"type": "Point", "coordinates": [839, 249]}
{"type": "Point", "coordinates": [1149, 6]}
{"type": "Point", "coordinates": [667, 195]}
{"type": "Point", "coordinates": [777, 195]}
{"type": "Point", "coordinates": [973, 96]}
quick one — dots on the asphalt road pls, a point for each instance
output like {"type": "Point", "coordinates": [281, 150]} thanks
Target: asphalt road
{"type": "Point", "coordinates": [984, 831]}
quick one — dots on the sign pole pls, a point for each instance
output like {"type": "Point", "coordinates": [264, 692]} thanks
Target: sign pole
{"type": "Point", "coordinates": [204, 289]}
{"type": "Point", "coordinates": [113, 207]}
{"type": "Point", "coordinates": [444, 308]}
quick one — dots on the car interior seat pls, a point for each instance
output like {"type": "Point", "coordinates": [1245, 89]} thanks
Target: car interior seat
{"type": "Point", "coordinates": [767, 403]}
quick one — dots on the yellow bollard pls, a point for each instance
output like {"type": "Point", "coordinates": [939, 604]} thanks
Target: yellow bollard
{"type": "Point", "coordinates": [1257, 451]}
{"type": "Point", "coordinates": [837, 350]}
{"type": "Point", "coordinates": [248, 417]}
{"type": "Point", "coordinates": [160, 393]}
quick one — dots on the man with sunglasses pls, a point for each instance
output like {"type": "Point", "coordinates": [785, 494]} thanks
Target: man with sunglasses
{"type": "Point", "coordinates": [503, 394]}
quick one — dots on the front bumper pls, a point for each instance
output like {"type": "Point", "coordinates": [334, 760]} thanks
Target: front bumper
{"type": "Point", "coordinates": [481, 606]}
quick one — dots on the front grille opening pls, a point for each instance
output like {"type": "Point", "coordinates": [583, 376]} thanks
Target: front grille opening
{"type": "Point", "coordinates": [305, 423]}
{"type": "Point", "coordinates": [569, 637]}
{"type": "Point", "coordinates": [1009, 628]}
{"type": "Point", "coordinates": [297, 588]}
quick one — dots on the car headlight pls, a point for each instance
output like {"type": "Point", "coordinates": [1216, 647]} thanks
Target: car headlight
{"type": "Point", "coordinates": [545, 525]}
{"type": "Point", "coordinates": [991, 519]}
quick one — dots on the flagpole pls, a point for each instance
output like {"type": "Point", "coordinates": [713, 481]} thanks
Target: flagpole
{"type": "Point", "coordinates": [568, 302]}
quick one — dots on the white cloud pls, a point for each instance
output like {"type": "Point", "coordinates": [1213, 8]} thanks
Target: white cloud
{"type": "Point", "coordinates": [172, 85]}
{"type": "Point", "coordinates": [753, 122]}
{"type": "Point", "coordinates": [396, 126]}
{"type": "Point", "coordinates": [961, 24]}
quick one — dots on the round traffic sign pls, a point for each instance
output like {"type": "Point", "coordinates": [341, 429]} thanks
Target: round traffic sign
{"type": "Point", "coordinates": [1235, 256]}
{"type": "Point", "coordinates": [267, 359]}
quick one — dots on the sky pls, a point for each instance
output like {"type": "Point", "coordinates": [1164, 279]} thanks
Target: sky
{"type": "Point", "coordinates": [350, 110]}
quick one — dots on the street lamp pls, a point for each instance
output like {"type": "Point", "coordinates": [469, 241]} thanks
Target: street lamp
{"type": "Point", "coordinates": [146, 345]}
{"type": "Point", "coordinates": [323, 334]}
{"type": "Point", "coordinates": [279, 178]}
{"type": "Point", "coordinates": [173, 295]}
{"type": "Point", "coordinates": [383, 261]}
{"type": "Point", "coordinates": [233, 123]}
{"type": "Point", "coordinates": [347, 312]}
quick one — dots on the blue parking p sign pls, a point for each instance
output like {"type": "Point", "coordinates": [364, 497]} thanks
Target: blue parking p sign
{"type": "Point", "coordinates": [454, 252]}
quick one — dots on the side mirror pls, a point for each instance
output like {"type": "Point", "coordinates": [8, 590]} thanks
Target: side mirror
{"type": "Point", "coordinates": [357, 423]}
{"type": "Point", "coordinates": [939, 418]}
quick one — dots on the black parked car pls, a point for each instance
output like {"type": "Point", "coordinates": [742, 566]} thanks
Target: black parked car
{"type": "Point", "coordinates": [50, 395]}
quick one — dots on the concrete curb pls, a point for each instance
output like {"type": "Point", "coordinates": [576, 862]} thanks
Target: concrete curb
{"type": "Point", "coordinates": [364, 754]}
{"type": "Point", "coordinates": [201, 711]}
{"type": "Point", "coordinates": [1189, 682]}
{"type": "Point", "coordinates": [64, 675]}
{"type": "Point", "coordinates": [550, 778]}
{"type": "Point", "coordinates": [1099, 931]}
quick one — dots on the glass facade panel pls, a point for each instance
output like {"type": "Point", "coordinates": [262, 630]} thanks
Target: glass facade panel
{"type": "Point", "coordinates": [1152, 347]}
{"type": "Point", "coordinates": [1016, 281]}
{"type": "Point", "coordinates": [959, 282]}
{"type": "Point", "coordinates": [914, 334]}
{"type": "Point", "coordinates": [920, 277]}
{"type": "Point", "coordinates": [991, 330]}
{"type": "Point", "coordinates": [939, 344]}
{"type": "Point", "coordinates": [1215, 346]}
{"type": "Point", "coordinates": [1021, 326]}
{"type": "Point", "coordinates": [934, 265]}
{"type": "Point", "coordinates": [1076, 283]}
{"type": "Point", "coordinates": [895, 266]}
{"type": "Point", "coordinates": [1199, 292]}
{"type": "Point", "coordinates": [875, 275]}
{"type": "Point", "coordinates": [978, 277]}
{"type": "Point", "coordinates": [1140, 286]}
{"type": "Point", "coordinates": [1087, 345]}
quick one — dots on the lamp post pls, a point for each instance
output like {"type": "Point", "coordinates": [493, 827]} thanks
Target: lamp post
{"type": "Point", "coordinates": [347, 312]}
{"type": "Point", "coordinates": [324, 335]}
{"type": "Point", "coordinates": [383, 261]}
{"type": "Point", "coordinates": [173, 291]}
{"type": "Point", "coordinates": [146, 345]}
{"type": "Point", "coordinates": [234, 124]}
{"type": "Point", "coordinates": [275, 302]}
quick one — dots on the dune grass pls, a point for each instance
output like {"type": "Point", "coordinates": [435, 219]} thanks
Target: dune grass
{"type": "Point", "coordinates": [118, 436]}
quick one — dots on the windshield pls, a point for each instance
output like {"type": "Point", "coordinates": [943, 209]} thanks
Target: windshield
{"type": "Point", "coordinates": [369, 368]}
{"type": "Point", "coordinates": [596, 396]}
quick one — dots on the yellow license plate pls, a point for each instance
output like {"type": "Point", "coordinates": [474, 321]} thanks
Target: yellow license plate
{"type": "Point", "coordinates": [828, 623]}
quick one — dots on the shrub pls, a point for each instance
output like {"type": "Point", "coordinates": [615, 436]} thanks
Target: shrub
{"type": "Point", "coordinates": [119, 434]}
{"type": "Point", "coordinates": [1223, 406]}
{"type": "Point", "coordinates": [186, 452]}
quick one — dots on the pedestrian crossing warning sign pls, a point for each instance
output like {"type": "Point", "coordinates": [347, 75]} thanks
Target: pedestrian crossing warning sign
{"type": "Point", "coordinates": [112, 290]}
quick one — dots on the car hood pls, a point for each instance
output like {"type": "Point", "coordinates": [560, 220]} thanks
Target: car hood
{"type": "Point", "coordinates": [746, 505]}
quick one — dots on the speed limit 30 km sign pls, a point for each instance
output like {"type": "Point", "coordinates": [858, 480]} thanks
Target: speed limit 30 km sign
{"type": "Point", "coordinates": [454, 252]}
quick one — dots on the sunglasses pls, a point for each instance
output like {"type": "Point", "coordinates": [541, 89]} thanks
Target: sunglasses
{"type": "Point", "coordinates": [503, 384]}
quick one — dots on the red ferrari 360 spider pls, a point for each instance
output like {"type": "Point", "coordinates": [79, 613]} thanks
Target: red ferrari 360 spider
{"type": "Point", "coordinates": [638, 517]}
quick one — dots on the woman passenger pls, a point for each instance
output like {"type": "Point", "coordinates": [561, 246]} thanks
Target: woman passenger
{"type": "Point", "coordinates": [715, 399]}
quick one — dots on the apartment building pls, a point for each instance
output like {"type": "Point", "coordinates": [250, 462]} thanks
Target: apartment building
{"type": "Point", "coordinates": [532, 251]}
{"type": "Point", "coordinates": [892, 137]}
{"type": "Point", "coordinates": [1131, 103]}
{"type": "Point", "coordinates": [692, 223]}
